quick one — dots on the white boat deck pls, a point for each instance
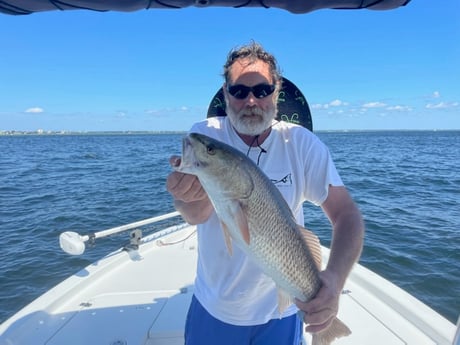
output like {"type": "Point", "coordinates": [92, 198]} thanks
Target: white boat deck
{"type": "Point", "coordinates": [127, 300]}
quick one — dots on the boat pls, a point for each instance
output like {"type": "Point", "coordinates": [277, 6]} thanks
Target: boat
{"type": "Point", "coordinates": [22, 7]}
{"type": "Point", "coordinates": [139, 295]}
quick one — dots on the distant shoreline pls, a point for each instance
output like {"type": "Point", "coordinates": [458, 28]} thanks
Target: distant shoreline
{"type": "Point", "coordinates": [63, 133]}
{"type": "Point", "coordinates": [51, 133]}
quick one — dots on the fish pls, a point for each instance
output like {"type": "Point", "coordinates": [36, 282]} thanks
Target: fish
{"type": "Point", "coordinates": [255, 217]}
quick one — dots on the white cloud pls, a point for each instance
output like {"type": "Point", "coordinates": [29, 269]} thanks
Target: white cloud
{"type": "Point", "coordinates": [374, 105]}
{"type": "Point", "coordinates": [399, 108]}
{"type": "Point", "coordinates": [35, 110]}
{"type": "Point", "coordinates": [336, 103]}
{"type": "Point", "coordinates": [442, 105]}
{"type": "Point", "coordinates": [168, 110]}
{"type": "Point", "coordinates": [436, 94]}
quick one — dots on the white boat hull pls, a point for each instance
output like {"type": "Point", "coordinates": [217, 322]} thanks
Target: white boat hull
{"type": "Point", "coordinates": [142, 298]}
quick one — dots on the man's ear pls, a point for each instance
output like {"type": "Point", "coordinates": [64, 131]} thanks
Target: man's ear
{"type": "Point", "coordinates": [278, 85]}
{"type": "Point", "coordinates": [225, 92]}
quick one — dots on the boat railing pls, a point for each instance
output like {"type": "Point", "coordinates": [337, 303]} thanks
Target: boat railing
{"type": "Point", "coordinates": [75, 244]}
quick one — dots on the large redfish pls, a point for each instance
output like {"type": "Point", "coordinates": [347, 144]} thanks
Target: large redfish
{"type": "Point", "coordinates": [255, 216]}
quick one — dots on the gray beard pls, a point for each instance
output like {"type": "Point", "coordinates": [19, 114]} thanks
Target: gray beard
{"type": "Point", "coordinates": [247, 125]}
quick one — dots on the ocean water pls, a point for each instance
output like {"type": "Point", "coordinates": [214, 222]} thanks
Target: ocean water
{"type": "Point", "coordinates": [407, 184]}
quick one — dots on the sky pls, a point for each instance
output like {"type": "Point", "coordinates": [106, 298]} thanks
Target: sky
{"type": "Point", "coordinates": [157, 70]}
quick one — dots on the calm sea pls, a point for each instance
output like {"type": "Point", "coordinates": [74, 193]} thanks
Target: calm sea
{"type": "Point", "coordinates": [406, 184]}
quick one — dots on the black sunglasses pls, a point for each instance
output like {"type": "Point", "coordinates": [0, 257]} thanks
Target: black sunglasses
{"type": "Point", "coordinates": [259, 91]}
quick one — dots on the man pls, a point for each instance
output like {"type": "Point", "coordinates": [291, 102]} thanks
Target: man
{"type": "Point", "coordinates": [234, 302]}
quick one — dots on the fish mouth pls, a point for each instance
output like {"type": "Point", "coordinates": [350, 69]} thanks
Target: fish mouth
{"type": "Point", "coordinates": [188, 156]}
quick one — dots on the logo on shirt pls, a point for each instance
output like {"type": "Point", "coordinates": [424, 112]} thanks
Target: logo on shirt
{"type": "Point", "coordinates": [284, 181]}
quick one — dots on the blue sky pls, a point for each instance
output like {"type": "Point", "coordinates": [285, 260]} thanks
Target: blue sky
{"type": "Point", "coordinates": [158, 69]}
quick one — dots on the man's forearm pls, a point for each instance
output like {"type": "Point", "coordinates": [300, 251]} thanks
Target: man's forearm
{"type": "Point", "coordinates": [347, 243]}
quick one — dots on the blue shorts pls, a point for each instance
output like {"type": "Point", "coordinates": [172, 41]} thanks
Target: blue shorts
{"type": "Point", "coordinates": [201, 329]}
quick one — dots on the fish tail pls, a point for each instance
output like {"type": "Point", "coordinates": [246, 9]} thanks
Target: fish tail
{"type": "Point", "coordinates": [336, 330]}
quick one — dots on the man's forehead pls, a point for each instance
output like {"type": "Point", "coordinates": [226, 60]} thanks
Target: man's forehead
{"type": "Point", "coordinates": [250, 65]}
{"type": "Point", "coordinates": [250, 68]}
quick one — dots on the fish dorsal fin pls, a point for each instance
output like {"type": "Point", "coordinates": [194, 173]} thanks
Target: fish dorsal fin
{"type": "Point", "coordinates": [228, 238]}
{"type": "Point", "coordinates": [313, 244]}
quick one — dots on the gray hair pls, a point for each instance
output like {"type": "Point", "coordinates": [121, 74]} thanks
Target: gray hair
{"type": "Point", "coordinates": [252, 51]}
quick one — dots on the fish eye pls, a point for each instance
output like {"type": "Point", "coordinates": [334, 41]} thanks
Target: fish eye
{"type": "Point", "coordinates": [211, 150]}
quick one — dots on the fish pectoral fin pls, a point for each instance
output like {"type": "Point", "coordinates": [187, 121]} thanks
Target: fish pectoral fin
{"type": "Point", "coordinates": [241, 220]}
{"type": "Point", "coordinates": [313, 244]}
{"type": "Point", "coordinates": [228, 238]}
{"type": "Point", "coordinates": [284, 300]}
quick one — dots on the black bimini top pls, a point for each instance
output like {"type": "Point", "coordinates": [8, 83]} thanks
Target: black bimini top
{"type": "Point", "coordinates": [17, 7]}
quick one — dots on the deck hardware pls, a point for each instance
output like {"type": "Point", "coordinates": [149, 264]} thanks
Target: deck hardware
{"type": "Point", "coordinates": [74, 244]}
{"type": "Point", "coordinates": [135, 238]}
{"type": "Point", "coordinates": [119, 342]}
{"type": "Point", "coordinates": [91, 240]}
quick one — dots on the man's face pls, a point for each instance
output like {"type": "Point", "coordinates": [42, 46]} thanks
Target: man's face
{"type": "Point", "coordinates": [252, 114]}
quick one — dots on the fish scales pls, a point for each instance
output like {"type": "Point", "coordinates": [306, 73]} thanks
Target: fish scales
{"type": "Point", "coordinates": [255, 216]}
{"type": "Point", "coordinates": [277, 240]}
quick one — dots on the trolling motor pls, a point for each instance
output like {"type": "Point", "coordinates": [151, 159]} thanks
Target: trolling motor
{"type": "Point", "coordinates": [74, 244]}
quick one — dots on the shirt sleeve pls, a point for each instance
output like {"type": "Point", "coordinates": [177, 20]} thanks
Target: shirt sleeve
{"type": "Point", "coordinates": [320, 172]}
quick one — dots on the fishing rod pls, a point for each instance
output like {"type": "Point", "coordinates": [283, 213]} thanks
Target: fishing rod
{"type": "Point", "coordinates": [74, 244]}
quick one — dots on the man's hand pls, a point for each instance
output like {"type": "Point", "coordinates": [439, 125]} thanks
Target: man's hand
{"type": "Point", "coordinates": [184, 187]}
{"type": "Point", "coordinates": [190, 199]}
{"type": "Point", "coordinates": [321, 310]}
{"type": "Point", "coordinates": [346, 246]}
